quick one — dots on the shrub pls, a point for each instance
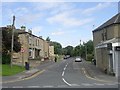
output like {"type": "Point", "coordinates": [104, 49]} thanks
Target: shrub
{"type": "Point", "coordinates": [90, 57]}
{"type": "Point", "coordinates": [6, 59]}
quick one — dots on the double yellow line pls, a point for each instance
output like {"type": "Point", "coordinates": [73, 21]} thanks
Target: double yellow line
{"type": "Point", "coordinates": [30, 77]}
{"type": "Point", "coordinates": [88, 76]}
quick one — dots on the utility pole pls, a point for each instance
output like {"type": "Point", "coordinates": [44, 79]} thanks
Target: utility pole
{"type": "Point", "coordinates": [12, 43]}
{"type": "Point", "coordinates": [80, 48]}
{"type": "Point", "coordinates": [86, 50]}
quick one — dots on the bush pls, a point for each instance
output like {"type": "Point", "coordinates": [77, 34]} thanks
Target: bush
{"type": "Point", "coordinates": [90, 57]}
{"type": "Point", "coordinates": [6, 59]}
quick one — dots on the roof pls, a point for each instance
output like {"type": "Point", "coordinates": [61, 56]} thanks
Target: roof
{"type": "Point", "coordinates": [24, 32]}
{"type": "Point", "coordinates": [114, 20]}
{"type": "Point", "coordinates": [19, 31]}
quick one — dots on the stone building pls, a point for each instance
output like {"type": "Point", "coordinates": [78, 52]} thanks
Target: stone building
{"type": "Point", "coordinates": [51, 52]}
{"type": "Point", "coordinates": [34, 47]}
{"type": "Point", "coordinates": [106, 40]}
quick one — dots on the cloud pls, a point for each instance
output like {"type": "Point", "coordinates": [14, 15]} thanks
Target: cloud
{"type": "Point", "coordinates": [54, 7]}
{"type": "Point", "coordinates": [98, 7]}
{"type": "Point", "coordinates": [36, 30]}
{"type": "Point", "coordinates": [23, 15]}
{"type": "Point", "coordinates": [67, 19]}
{"type": "Point", "coordinates": [58, 33]}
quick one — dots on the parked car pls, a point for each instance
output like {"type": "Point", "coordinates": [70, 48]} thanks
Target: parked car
{"type": "Point", "coordinates": [78, 60]}
{"type": "Point", "coordinates": [65, 57]}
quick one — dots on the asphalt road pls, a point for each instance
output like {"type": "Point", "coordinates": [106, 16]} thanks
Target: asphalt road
{"type": "Point", "coordinates": [64, 74]}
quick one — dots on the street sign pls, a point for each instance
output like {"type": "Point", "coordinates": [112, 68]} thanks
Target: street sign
{"type": "Point", "coordinates": [22, 50]}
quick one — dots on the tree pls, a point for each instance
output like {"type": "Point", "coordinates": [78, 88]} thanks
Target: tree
{"type": "Point", "coordinates": [77, 51]}
{"type": "Point", "coordinates": [64, 51]}
{"type": "Point", "coordinates": [69, 50]}
{"type": "Point", "coordinates": [81, 50]}
{"type": "Point", "coordinates": [57, 47]}
{"type": "Point", "coordinates": [48, 39]}
{"type": "Point", "coordinates": [6, 44]}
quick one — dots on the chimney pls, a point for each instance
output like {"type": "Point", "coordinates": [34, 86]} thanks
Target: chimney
{"type": "Point", "coordinates": [30, 31]}
{"type": "Point", "coordinates": [40, 36]}
{"type": "Point", "coordinates": [23, 28]}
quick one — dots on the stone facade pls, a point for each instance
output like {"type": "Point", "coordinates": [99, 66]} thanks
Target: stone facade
{"type": "Point", "coordinates": [46, 50]}
{"type": "Point", "coordinates": [106, 38]}
{"type": "Point", "coordinates": [35, 48]}
{"type": "Point", "coordinates": [51, 52]}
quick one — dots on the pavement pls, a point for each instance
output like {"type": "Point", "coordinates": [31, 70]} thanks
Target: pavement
{"type": "Point", "coordinates": [23, 75]}
{"type": "Point", "coordinates": [63, 74]}
{"type": "Point", "coordinates": [96, 73]}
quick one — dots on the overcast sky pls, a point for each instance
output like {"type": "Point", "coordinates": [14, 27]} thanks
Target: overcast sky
{"type": "Point", "coordinates": [64, 22]}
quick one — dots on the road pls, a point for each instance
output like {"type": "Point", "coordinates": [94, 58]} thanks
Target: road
{"type": "Point", "coordinates": [63, 74]}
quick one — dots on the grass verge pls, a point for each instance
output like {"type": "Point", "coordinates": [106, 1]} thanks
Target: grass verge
{"type": "Point", "coordinates": [8, 71]}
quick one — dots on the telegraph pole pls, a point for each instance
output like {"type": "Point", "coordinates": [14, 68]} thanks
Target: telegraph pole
{"type": "Point", "coordinates": [86, 50]}
{"type": "Point", "coordinates": [80, 48]}
{"type": "Point", "coordinates": [12, 43]}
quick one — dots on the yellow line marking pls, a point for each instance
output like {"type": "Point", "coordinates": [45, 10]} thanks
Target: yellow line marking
{"type": "Point", "coordinates": [93, 78]}
{"type": "Point", "coordinates": [26, 78]}
{"type": "Point", "coordinates": [34, 75]}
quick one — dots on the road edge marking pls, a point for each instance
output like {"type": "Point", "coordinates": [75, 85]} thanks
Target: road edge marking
{"type": "Point", "coordinates": [30, 77]}
{"type": "Point", "coordinates": [88, 76]}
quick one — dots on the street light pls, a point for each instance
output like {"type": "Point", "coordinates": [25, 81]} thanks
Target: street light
{"type": "Point", "coordinates": [12, 43]}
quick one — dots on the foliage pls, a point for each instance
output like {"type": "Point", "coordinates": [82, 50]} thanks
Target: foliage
{"type": "Point", "coordinates": [57, 48]}
{"type": "Point", "coordinates": [6, 59]}
{"type": "Point", "coordinates": [89, 57]}
{"type": "Point", "coordinates": [68, 50]}
{"type": "Point", "coordinates": [48, 39]}
{"type": "Point", "coordinates": [6, 43]}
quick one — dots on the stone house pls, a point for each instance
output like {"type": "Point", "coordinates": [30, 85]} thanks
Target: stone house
{"type": "Point", "coordinates": [34, 47]}
{"type": "Point", "coordinates": [51, 53]}
{"type": "Point", "coordinates": [106, 40]}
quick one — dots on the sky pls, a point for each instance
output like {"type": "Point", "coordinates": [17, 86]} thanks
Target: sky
{"type": "Point", "coordinates": [64, 22]}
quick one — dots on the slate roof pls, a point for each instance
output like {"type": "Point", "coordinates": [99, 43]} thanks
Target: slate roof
{"type": "Point", "coordinates": [114, 20]}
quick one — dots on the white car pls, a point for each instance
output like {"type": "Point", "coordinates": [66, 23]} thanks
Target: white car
{"type": "Point", "coordinates": [78, 60]}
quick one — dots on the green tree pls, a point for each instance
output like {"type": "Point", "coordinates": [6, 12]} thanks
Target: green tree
{"type": "Point", "coordinates": [48, 39]}
{"type": "Point", "coordinates": [77, 51]}
{"type": "Point", "coordinates": [69, 50]}
{"type": "Point", "coordinates": [6, 44]}
{"type": "Point", "coordinates": [57, 48]}
{"type": "Point", "coordinates": [64, 51]}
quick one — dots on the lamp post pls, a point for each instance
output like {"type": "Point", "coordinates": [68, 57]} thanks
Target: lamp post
{"type": "Point", "coordinates": [12, 43]}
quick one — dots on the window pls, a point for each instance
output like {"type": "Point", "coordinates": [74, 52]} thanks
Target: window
{"type": "Point", "coordinates": [103, 36]}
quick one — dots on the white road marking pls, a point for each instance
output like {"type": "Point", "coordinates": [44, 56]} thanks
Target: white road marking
{"type": "Point", "coordinates": [100, 84]}
{"type": "Point", "coordinates": [87, 84]}
{"type": "Point", "coordinates": [75, 85]}
{"type": "Point", "coordinates": [111, 84]}
{"type": "Point", "coordinates": [17, 87]}
{"type": "Point", "coordinates": [33, 86]}
{"type": "Point", "coordinates": [4, 87]}
{"type": "Point", "coordinates": [63, 73]}
{"type": "Point", "coordinates": [48, 86]}
{"type": "Point", "coordinates": [66, 82]}
{"type": "Point", "coordinates": [62, 86]}
{"type": "Point", "coordinates": [64, 68]}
